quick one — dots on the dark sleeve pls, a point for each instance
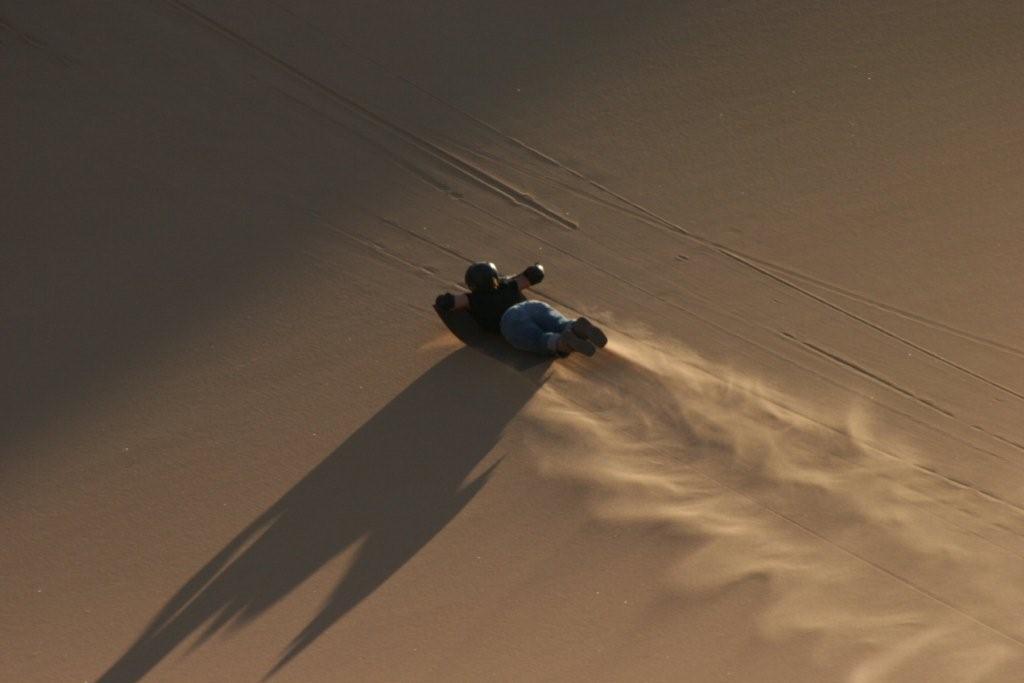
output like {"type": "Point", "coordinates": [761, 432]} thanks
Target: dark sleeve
{"type": "Point", "coordinates": [534, 274]}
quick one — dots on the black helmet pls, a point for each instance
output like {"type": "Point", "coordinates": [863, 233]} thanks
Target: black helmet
{"type": "Point", "coordinates": [482, 276]}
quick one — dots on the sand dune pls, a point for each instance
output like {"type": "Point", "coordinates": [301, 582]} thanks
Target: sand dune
{"type": "Point", "coordinates": [237, 443]}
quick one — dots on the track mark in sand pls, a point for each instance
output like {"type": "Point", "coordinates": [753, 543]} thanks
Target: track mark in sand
{"type": "Point", "coordinates": [857, 556]}
{"type": "Point", "coordinates": [888, 308]}
{"type": "Point", "coordinates": [379, 248]}
{"type": "Point", "coordinates": [38, 44]}
{"type": "Point", "coordinates": [869, 445]}
{"type": "Point", "coordinates": [878, 328]}
{"type": "Point", "coordinates": [427, 240]}
{"type": "Point", "coordinates": [995, 630]}
{"type": "Point", "coordinates": [895, 387]}
{"type": "Point", "coordinates": [383, 149]}
{"type": "Point", "coordinates": [457, 165]}
{"type": "Point", "coordinates": [867, 373]}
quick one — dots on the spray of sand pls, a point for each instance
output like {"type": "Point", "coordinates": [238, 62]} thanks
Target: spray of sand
{"type": "Point", "coordinates": [867, 556]}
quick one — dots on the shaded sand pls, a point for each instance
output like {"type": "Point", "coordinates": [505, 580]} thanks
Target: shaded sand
{"type": "Point", "coordinates": [237, 444]}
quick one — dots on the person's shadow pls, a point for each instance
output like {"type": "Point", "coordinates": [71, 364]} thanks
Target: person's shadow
{"type": "Point", "coordinates": [393, 485]}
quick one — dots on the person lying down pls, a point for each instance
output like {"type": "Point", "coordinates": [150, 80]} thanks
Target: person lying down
{"type": "Point", "coordinates": [498, 305]}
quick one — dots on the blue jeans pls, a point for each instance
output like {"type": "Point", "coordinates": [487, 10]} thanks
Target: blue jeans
{"type": "Point", "coordinates": [533, 326]}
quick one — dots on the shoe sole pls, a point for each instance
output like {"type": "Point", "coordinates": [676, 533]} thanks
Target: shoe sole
{"type": "Point", "coordinates": [589, 331]}
{"type": "Point", "coordinates": [581, 345]}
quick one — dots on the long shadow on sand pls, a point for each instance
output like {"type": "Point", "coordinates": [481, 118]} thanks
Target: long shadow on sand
{"type": "Point", "coordinates": [393, 485]}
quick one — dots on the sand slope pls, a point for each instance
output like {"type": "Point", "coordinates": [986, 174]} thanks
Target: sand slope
{"type": "Point", "coordinates": [238, 443]}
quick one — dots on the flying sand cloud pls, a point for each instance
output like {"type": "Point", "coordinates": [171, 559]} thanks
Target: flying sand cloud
{"type": "Point", "coordinates": [855, 546]}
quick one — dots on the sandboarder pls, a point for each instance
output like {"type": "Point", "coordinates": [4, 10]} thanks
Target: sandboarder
{"type": "Point", "coordinates": [498, 305]}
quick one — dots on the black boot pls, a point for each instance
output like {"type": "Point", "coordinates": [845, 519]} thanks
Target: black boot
{"type": "Point", "coordinates": [585, 329]}
{"type": "Point", "coordinates": [569, 342]}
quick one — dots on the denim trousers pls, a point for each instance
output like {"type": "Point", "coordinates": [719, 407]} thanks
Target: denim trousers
{"type": "Point", "coordinates": [533, 326]}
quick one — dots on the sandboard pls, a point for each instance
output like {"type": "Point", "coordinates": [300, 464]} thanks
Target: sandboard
{"type": "Point", "coordinates": [462, 325]}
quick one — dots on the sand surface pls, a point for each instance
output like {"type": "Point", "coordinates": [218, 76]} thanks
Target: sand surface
{"type": "Point", "coordinates": [237, 443]}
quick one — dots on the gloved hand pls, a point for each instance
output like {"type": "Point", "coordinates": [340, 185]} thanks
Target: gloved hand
{"type": "Point", "coordinates": [444, 303]}
{"type": "Point", "coordinates": [534, 273]}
